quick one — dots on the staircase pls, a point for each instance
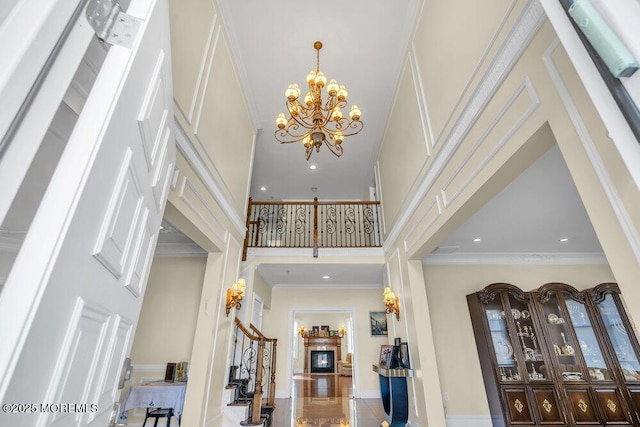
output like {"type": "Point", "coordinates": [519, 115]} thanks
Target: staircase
{"type": "Point", "coordinates": [250, 391]}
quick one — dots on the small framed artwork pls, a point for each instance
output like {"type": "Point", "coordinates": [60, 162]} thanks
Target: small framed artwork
{"type": "Point", "coordinates": [378, 323]}
{"type": "Point", "coordinates": [314, 331]}
{"type": "Point", "coordinates": [170, 373]}
{"type": "Point", "coordinates": [404, 355]}
{"type": "Point", "coordinates": [324, 328]}
{"type": "Point", "coordinates": [385, 355]}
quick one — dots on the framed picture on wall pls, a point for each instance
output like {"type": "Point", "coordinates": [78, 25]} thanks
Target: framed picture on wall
{"type": "Point", "coordinates": [324, 328]}
{"type": "Point", "coordinates": [378, 323]}
{"type": "Point", "coordinates": [314, 331]}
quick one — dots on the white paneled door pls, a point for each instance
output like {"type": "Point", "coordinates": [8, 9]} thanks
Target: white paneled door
{"type": "Point", "coordinates": [70, 304]}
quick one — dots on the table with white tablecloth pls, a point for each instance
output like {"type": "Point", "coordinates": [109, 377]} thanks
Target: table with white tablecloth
{"type": "Point", "coordinates": [155, 395]}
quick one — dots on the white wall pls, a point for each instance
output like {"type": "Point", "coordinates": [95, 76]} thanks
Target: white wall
{"type": "Point", "coordinates": [169, 311]}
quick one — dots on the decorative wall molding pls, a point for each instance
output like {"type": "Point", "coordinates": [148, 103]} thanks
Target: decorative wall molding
{"type": "Point", "coordinates": [206, 77]}
{"type": "Point", "coordinates": [195, 161]}
{"type": "Point", "coordinates": [423, 108]}
{"type": "Point", "coordinates": [179, 250]}
{"type": "Point", "coordinates": [209, 51]}
{"type": "Point", "coordinates": [208, 216]}
{"type": "Point", "coordinates": [474, 73]}
{"type": "Point", "coordinates": [423, 111]}
{"type": "Point", "coordinates": [511, 258]}
{"type": "Point", "coordinates": [516, 42]}
{"type": "Point", "coordinates": [238, 64]}
{"type": "Point", "coordinates": [431, 214]}
{"type": "Point", "coordinates": [469, 421]}
{"type": "Point", "coordinates": [620, 211]}
{"type": "Point", "coordinates": [525, 87]}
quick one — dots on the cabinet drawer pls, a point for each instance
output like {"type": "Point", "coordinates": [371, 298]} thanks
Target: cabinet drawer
{"type": "Point", "coordinates": [519, 408]}
{"type": "Point", "coordinates": [613, 409]}
{"type": "Point", "coordinates": [582, 407]}
{"type": "Point", "coordinates": [546, 403]}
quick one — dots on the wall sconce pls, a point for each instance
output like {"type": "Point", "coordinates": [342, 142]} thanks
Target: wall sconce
{"type": "Point", "coordinates": [342, 331]}
{"type": "Point", "coordinates": [235, 294]}
{"type": "Point", "coordinates": [391, 303]}
{"type": "Point", "coordinates": [302, 330]}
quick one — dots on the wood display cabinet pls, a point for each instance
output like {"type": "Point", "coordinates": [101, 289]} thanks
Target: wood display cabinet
{"type": "Point", "coordinates": [557, 356]}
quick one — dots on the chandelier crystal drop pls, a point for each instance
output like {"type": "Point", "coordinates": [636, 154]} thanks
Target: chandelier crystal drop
{"type": "Point", "coordinates": [314, 122]}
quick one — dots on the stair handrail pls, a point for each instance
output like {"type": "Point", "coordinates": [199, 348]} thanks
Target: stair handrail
{"type": "Point", "coordinates": [257, 397]}
{"type": "Point", "coordinates": [272, 369]}
{"type": "Point", "coordinates": [246, 331]}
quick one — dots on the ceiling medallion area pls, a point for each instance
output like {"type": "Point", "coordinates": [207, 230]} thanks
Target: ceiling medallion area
{"type": "Point", "coordinates": [314, 122]}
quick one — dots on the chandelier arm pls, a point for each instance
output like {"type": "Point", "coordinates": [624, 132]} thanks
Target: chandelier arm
{"type": "Point", "coordinates": [346, 127]}
{"type": "Point", "coordinates": [308, 152]}
{"type": "Point", "coordinates": [299, 121]}
{"type": "Point", "coordinates": [331, 103]}
{"type": "Point", "coordinates": [336, 149]}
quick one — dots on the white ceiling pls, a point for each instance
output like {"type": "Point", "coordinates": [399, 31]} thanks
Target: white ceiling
{"type": "Point", "coordinates": [531, 215]}
{"type": "Point", "coordinates": [311, 275]}
{"type": "Point", "coordinates": [364, 46]}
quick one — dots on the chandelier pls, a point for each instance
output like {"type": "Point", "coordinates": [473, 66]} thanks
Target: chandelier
{"type": "Point", "coordinates": [314, 122]}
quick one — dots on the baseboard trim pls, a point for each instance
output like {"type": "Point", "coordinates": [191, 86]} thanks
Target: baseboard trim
{"type": "Point", "coordinates": [368, 394]}
{"type": "Point", "coordinates": [469, 421]}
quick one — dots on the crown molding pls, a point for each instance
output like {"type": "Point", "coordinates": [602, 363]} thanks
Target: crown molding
{"type": "Point", "coordinates": [326, 286]}
{"type": "Point", "coordinates": [516, 42]}
{"type": "Point", "coordinates": [179, 250]}
{"type": "Point", "coordinates": [515, 258]}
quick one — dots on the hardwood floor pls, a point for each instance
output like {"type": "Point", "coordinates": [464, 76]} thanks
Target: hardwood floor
{"type": "Point", "coordinates": [326, 400]}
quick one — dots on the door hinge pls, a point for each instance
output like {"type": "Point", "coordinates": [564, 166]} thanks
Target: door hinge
{"type": "Point", "coordinates": [111, 24]}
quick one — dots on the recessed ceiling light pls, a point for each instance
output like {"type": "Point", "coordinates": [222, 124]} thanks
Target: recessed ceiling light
{"type": "Point", "coordinates": [564, 239]}
{"type": "Point", "coordinates": [477, 239]}
{"type": "Point", "coordinates": [312, 167]}
{"type": "Point", "coordinates": [162, 227]}
{"type": "Point", "coordinates": [263, 188]}
{"type": "Point", "coordinates": [326, 277]}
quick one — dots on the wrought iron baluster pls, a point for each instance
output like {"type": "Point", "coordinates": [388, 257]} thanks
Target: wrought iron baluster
{"type": "Point", "coordinates": [360, 234]}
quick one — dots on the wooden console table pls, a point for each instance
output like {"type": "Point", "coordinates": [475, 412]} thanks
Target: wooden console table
{"type": "Point", "coordinates": [328, 342]}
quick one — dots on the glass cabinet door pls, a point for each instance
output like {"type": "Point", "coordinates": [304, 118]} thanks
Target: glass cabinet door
{"type": "Point", "coordinates": [502, 347]}
{"type": "Point", "coordinates": [527, 343]}
{"type": "Point", "coordinates": [618, 334]}
{"type": "Point", "coordinates": [587, 341]}
{"type": "Point", "coordinates": [560, 340]}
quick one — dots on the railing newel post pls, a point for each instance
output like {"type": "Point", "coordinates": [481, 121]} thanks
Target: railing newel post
{"type": "Point", "coordinates": [246, 236]}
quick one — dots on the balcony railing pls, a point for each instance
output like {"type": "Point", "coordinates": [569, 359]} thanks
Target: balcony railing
{"type": "Point", "coordinates": [312, 225]}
